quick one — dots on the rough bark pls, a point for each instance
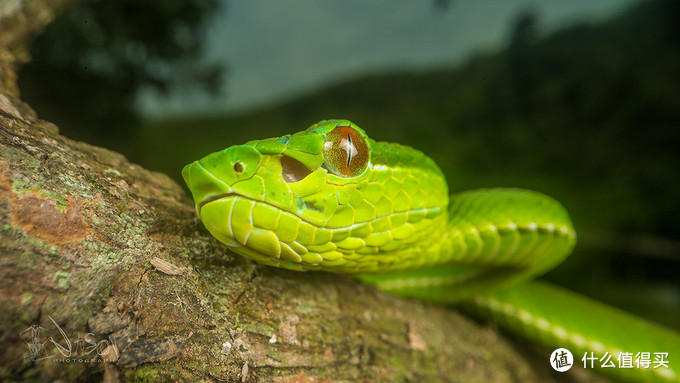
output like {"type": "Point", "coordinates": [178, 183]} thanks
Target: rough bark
{"type": "Point", "coordinates": [113, 255]}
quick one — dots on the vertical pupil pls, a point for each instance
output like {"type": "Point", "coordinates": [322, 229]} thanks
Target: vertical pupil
{"type": "Point", "coordinates": [349, 149]}
{"type": "Point", "coordinates": [345, 151]}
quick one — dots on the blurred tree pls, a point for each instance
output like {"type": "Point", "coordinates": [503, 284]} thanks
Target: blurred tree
{"type": "Point", "coordinates": [442, 5]}
{"type": "Point", "coordinates": [524, 29]}
{"type": "Point", "coordinates": [522, 65]}
{"type": "Point", "coordinates": [671, 11]}
{"type": "Point", "coordinates": [90, 63]}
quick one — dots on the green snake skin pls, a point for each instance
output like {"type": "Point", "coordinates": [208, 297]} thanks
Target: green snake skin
{"type": "Point", "coordinates": [330, 198]}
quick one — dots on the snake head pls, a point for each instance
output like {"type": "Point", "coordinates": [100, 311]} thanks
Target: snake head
{"type": "Point", "coordinates": [317, 199]}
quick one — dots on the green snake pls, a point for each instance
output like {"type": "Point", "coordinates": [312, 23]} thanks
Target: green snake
{"type": "Point", "coordinates": [331, 198]}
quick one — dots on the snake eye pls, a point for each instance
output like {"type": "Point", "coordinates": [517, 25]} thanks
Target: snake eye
{"type": "Point", "coordinates": [345, 152]}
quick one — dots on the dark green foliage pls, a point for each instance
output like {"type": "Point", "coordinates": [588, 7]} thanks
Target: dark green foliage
{"type": "Point", "coordinates": [89, 64]}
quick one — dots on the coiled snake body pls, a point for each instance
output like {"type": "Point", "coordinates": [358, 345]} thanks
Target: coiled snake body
{"type": "Point", "coordinates": [330, 198]}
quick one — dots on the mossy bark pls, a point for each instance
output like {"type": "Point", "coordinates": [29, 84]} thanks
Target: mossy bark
{"type": "Point", "coordinates": [111, 256]}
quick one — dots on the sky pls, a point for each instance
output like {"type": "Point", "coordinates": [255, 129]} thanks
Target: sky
{"type": "Point", "coordinates": [276, 50]}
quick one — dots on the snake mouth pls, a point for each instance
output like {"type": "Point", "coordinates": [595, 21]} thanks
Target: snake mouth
{"type": "Point", "coordinates": [222, 196]}
{"type": "Point", "coordinates": [216, 198]}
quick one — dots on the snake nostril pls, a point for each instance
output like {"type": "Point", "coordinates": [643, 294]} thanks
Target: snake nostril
{"type": "Point", "coordinates": [238, 168]}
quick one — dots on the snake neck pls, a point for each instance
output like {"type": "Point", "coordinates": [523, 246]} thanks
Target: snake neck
{"type": "Point", "coordinates": [514, 233]}
{"type": "Point", "coordinates": [487, 239]}
{"type": "Point", "coordinates": [512, 227]}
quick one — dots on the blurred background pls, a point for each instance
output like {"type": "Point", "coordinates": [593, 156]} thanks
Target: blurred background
{"type": "Point", "coordinates": [579, 100]}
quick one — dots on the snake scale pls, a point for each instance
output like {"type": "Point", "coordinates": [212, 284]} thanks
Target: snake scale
{"type": "Point", "coordinates": [331, 198]}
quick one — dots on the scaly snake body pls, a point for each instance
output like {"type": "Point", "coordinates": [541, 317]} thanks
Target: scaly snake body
{"type": "Point", "coordinates": [330, 198]}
